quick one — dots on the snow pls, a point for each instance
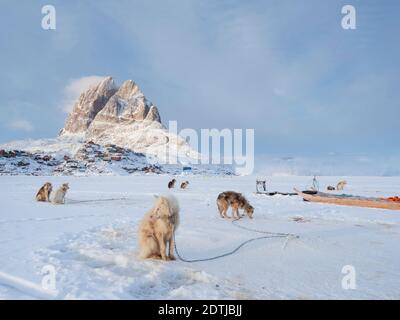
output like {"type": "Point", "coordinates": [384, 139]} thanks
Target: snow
{"type": "Point", "coordinates": [329, 165]}
{"type": "Point", "coordinates": [69, 155]}
{"type": "Point", "coordinates": [23, 285]}
{"type": "Point", "coordinates": [92, 243]}
{"type": "Point", "coordinates": [67, 144]}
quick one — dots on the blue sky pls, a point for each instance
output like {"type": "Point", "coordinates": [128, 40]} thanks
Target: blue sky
{"type": "Point", "coordinates": [285, 68]}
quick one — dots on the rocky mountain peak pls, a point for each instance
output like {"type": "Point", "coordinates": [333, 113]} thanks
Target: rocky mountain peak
{"type": "Point", "coordinates": [89, 104]}
{"type": "Point", "coordinates": [153, 114]}
{"type": "Point", "coordinates": [105, 105]}
{"type": "Point", "coordinates": [129, 89]}
{"type": "Point", "coordinates": [106, 114]}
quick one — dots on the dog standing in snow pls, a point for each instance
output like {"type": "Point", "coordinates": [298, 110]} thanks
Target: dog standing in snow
{"type": "Point", "coordinates": [236, 201]}
{"type": "Point", "coordinates": [341, 184]}
{"type": "Point", "coordinates": [44, 192]}
{"type": "Point", "coordinates": [156, 231]}
{"type": "Point", "coordinates": [59, 197]}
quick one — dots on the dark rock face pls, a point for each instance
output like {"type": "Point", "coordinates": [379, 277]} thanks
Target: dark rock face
{"type": "Point", "coordinates": [127, 106]}
{"type": "Point", "coordinates": [90, 103]}
{"type": "Point", "coordinates": [105, 106]}
{"type": "Point", "coordinates": [153, 114]}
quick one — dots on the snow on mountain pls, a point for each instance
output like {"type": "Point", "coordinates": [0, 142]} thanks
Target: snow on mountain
{"type": "Point", "coordinates": [126, 106]}
{"type": "Point", "coordinates": [123, 116]}
{"type": "Point", "coordinates": [64, 145]}
{"type": "Point", "coordinates": [88, 159]}
{"type": "Point", "coordinates": [88, 106]}
{"type": "Point", "coordinates": [111, 130]}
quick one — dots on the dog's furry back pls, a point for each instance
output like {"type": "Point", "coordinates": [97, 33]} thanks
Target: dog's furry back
{"type": "Point", "coordinates": [236, 200]}
{"type": "Point", "coordinates": [232, 197]}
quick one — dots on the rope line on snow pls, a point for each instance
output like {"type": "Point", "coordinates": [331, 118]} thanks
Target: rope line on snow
{"type": "Point", "coordinates": [269, 235]}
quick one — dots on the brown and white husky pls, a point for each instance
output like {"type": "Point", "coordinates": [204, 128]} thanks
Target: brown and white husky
{"type": "Point", "coordinates": [44, 192]}
{"type": "Point", "coordinates": [236, 201]}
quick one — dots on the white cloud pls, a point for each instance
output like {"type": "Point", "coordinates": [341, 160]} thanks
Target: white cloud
{"type": "Point", "coordinates": [21, 124]}
{"type": "Point", "coordinates": [75, 87]}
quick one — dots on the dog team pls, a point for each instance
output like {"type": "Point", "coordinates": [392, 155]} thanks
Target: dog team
{"type": "Point", "coordinates": [339, 187]}
{"type": "Point", "coordinates": [157, 229]}
{"type": "Point", "coordinates": [159, 224]}
{"type": "Point", "coordinates": [171, 184]}
{"type": "Point", "coordinates": [45, 193]}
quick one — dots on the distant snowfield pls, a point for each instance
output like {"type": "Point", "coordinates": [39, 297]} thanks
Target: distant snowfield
{"type": "Point", "coordinates": [65, 145]}
{"type": "Point", "coordinates": [91, 241]}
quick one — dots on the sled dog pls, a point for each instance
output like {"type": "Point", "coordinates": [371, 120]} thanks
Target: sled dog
{"type": "Point", "coordinates": [341, 184]}
{"type": "Point", "coordinates": [156, 231]}
{"type": "Point", "coordinates": [184, 184]}
{"type": "Point", "coordinates": [171, 184]}
{"type": "Point", "coordinates": [236, 201]}
{"type": "Point", "coordinates": [44, 192]}
{"type": "Point", "coordinates": [59, 197]}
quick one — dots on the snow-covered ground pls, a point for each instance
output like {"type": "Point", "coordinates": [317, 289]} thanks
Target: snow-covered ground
{"type": "Point", "coordinates": [91, 241]}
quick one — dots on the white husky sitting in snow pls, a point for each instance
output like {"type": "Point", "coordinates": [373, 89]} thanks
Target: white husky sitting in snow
{"type": "Point", "coordinates": [341, 184]}
{"type": "Point", "coordinates": [59, 196]}
{"type": "Point", "coordinates": [157, 229]}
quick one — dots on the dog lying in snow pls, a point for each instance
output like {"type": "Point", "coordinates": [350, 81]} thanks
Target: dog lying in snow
{"type": "Point", "coordinates": [44, 192]}
{"type": "Point", "coordinates": [156, 231]}
{"type": "Point", "coordinates": [59, 196]}
{"type": "Point", "coordinates": [184, 184]}
{"type": "Point", "coordinates": [236, 201]}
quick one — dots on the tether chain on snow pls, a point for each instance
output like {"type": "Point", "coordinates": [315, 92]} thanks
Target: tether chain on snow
{"type": "Point", "coordinates": [269, 235]}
